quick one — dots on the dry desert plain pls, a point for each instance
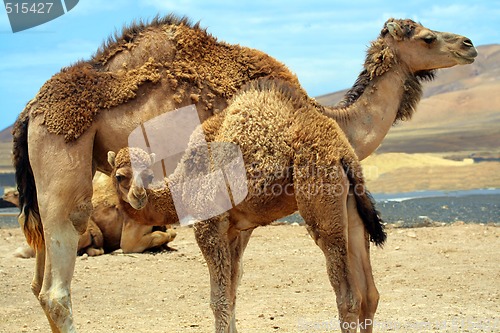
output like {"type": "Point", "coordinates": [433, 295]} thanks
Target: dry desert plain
{"type": "Point", "coordinates": [436, 279]}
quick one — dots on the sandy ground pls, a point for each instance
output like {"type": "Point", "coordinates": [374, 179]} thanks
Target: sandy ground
{"type": "Point", "coordinates": [439, 279]}
{"type": "Point", "coordinates": [399, 172]}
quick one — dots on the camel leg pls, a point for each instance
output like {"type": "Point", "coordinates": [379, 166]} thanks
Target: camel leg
{"type": "Point", "coordinates": [61, 240]}
{"type": "Point", "coordinates": [137, 238]}
{"type": "Point", "coordinates": [64, 200]}
{"type": "Point", "coordinates": [36, 284]}
{"type": "Point", "coordinates": [325, 214]}
{"type": "Point", "coordinates": [212, 238]}
{"type": "Point", "coordinates": [238, 244]}
{"type": "Point", "coordinates": [359, 256]}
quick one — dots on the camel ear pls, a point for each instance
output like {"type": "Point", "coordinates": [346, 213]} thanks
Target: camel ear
{"type": "Point", "coordinates": [395, 30]}
{"type": "Point", "coordinates": [152, 156]}
{"type": "Point", "coordinates": [111, 158]}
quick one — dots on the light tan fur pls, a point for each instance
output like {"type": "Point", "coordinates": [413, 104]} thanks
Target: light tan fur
{"type": "Point", "coordinates": [156, 64]}
{"type": "Point", "coordinates": [119, 229]}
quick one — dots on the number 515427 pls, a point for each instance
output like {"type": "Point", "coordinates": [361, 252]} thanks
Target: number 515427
{"type": "Point", "coordinates": [25, 8]}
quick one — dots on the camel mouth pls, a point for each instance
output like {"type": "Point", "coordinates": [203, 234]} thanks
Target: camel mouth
{"type": "Point", "coordinates": [138, 203]}
{"type": "Point", "coordinates": [465, 59]}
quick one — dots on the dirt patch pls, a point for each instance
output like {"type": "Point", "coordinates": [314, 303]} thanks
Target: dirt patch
{"type": "Point", "coordinates": [430, 280]}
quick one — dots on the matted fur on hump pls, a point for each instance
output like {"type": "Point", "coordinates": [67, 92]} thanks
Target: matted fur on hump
{"type": "Point", "coordinates": [71, 99]}
{"type": "Point", "coordinates": [196, 67]}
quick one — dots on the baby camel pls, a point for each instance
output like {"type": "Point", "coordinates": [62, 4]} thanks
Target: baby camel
{"type": "Point", "coordinates": [295, 158]}
{"type": "Point", "coordinates": [119, 223]}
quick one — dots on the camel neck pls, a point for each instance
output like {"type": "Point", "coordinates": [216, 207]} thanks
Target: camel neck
{"type": "Point", "coordinates": [372, 105]}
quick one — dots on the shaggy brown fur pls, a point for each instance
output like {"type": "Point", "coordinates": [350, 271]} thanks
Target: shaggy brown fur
{"type": "Point", "coordinates": [288, 145]}
{"type": "Point", "coordinates": [71, 99]}
{"type": "Point", "coordinates": [197, 68]}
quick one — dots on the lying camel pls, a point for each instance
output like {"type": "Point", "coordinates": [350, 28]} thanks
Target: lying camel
{"type": "Point", "coordinates": [110, 227]}
{"type": "Point", "coordinates": [153, 68]}
{"type": "Point", "coordinates": [12, 197]}
{"type": "Point", "coordinates": [121, 226]}
{"type": "Point", "coordinates": [295, 159]}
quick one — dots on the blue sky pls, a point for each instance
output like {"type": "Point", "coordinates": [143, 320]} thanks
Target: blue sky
{"type": "Point", "coordinates": [323, 42]}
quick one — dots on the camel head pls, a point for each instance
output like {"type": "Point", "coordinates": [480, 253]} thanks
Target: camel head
{"type": "Point", "coordinates": [132, 175]}
{"type": "Point", "coordinates": [422, 49]}
{"type": "Point", "coordinates": [12, 197]}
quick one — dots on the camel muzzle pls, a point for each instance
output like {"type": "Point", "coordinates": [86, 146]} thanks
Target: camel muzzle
{"type": "Point", "coordinates": [138, 199]}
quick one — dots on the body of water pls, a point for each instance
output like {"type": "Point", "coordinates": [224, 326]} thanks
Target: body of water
{"type": "Point", "coordinates": [380, 197]}
{"type": "Point", "coordinates": [471, 206]}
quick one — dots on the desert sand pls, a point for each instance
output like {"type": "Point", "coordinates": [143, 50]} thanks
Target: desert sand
{"type": "Point", "coordinates": [435, 279]}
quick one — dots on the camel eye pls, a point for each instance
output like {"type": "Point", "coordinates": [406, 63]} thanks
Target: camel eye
{"type": "Point", "coordinates": [429, 39]}
{"type": "Point", "coordinates": [119, 178]}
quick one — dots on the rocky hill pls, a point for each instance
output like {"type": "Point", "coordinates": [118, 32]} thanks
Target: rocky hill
{"type": "Point", "coordinates": [6, 135]}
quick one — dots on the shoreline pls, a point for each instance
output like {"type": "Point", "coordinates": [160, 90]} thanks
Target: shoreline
{"type": "Point", "coordinates": [408, 213]}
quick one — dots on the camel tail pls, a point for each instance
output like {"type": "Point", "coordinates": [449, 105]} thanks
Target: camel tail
{"type": "Point", "coordinates": [365, 203]}
{"type": "Point", "coordinates": [29, 217]}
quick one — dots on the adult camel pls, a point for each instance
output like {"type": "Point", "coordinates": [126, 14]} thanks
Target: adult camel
{"type": "Point", "coordinates": [90, 108]}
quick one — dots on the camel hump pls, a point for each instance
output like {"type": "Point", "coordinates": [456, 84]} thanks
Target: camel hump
{"type": "Point", "coordinates": [29, 219]}
{"type": "Point", "coordinates": [364, 202]}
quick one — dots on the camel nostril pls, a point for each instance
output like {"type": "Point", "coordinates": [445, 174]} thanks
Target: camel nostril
{"type": "Point", "coordinates": [467, 42]}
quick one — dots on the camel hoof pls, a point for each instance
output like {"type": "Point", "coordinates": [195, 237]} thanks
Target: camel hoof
{"type": "Point", "coordinates": [93, 252]}
{"type": "Point", "coordinates": [24, 252]}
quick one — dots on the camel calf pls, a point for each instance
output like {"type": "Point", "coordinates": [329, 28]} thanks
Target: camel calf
{"type": "Point", "coordinates": [292, 158]}
{"type": "Point", "coordinates": [119, 223]}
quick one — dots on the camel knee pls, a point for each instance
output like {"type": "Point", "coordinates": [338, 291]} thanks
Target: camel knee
{"type": "Point", "coordinates": [169, 235]}
{"type": "Point", "coordinates": [349, 307]}
{"type": "Point", "coordinates": [80, 215]}
{"type": "Point", "coordinates": [350, 304]}
{"type": "Point", "coordinates": [36, 286]}
{"type": "Point", "coordinates": [371, 302]}
{"type": "Point", "coordinates": [57, 306]}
